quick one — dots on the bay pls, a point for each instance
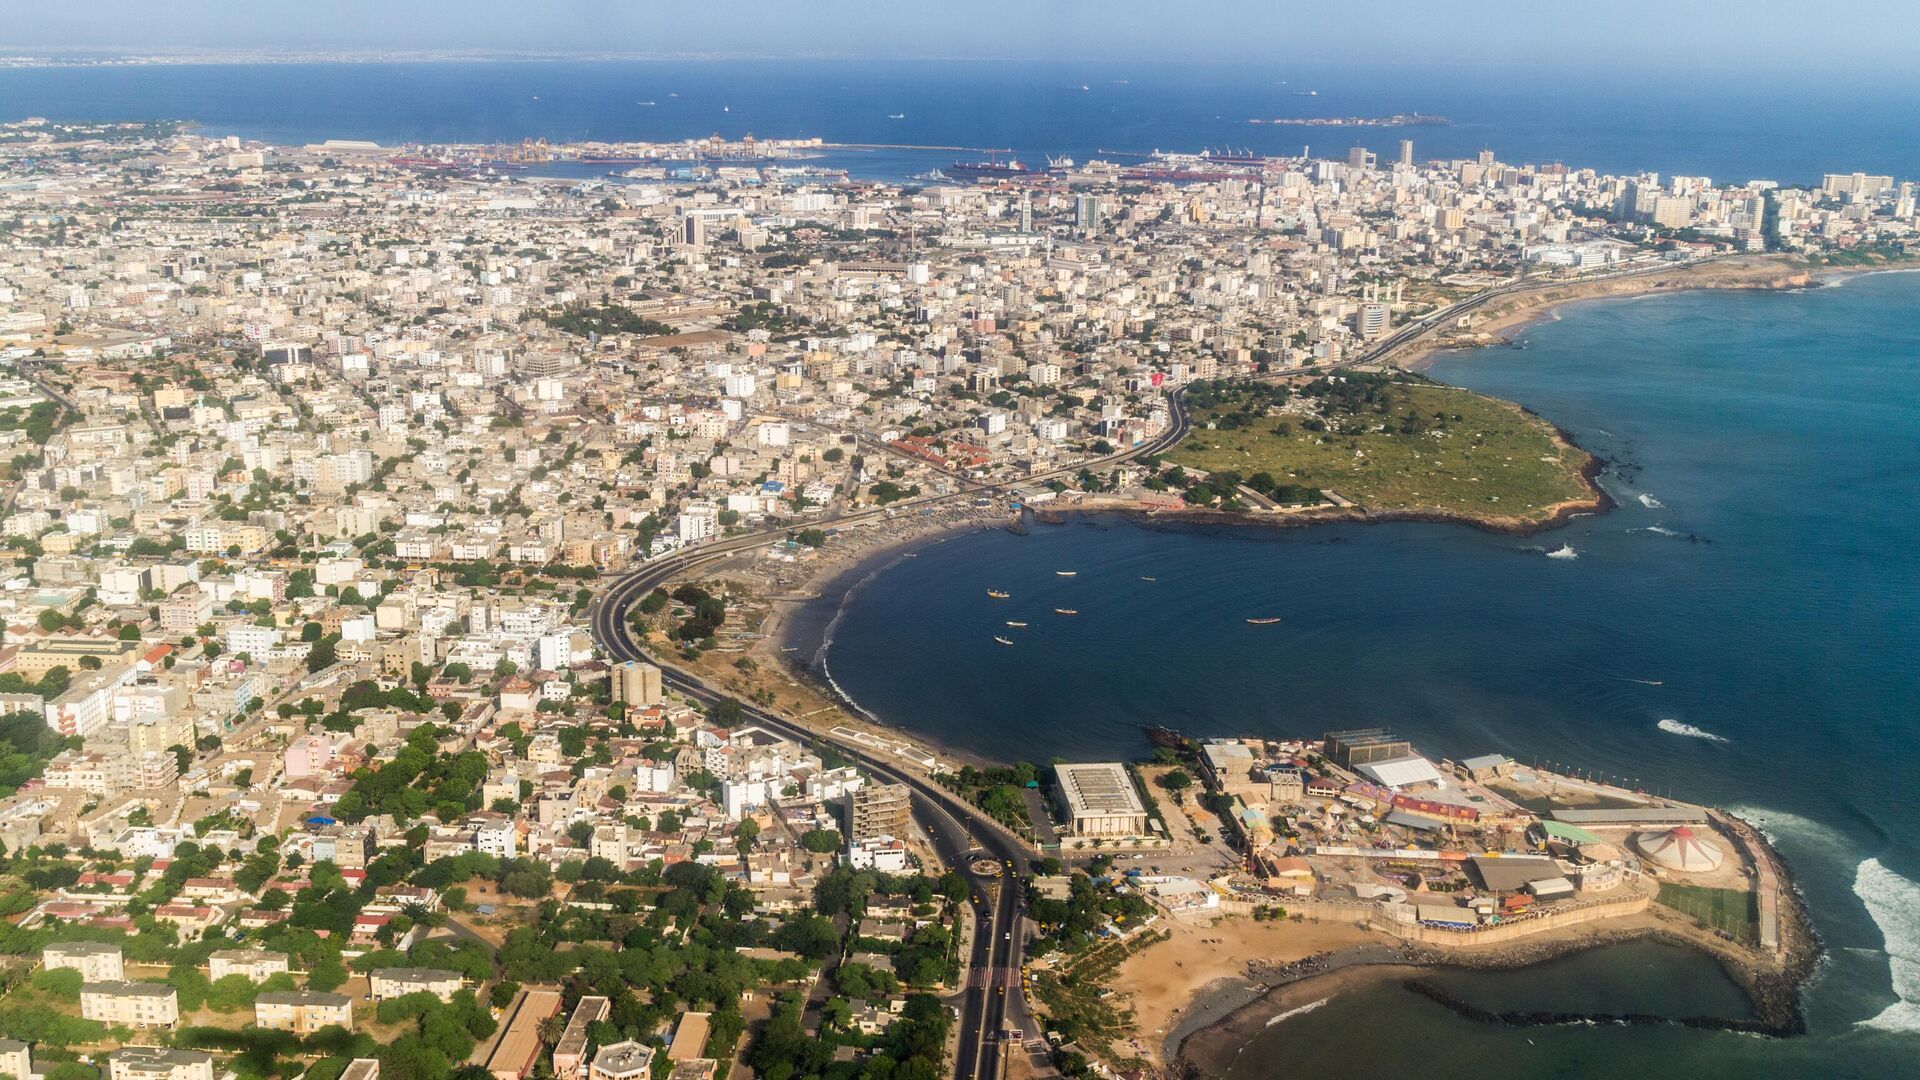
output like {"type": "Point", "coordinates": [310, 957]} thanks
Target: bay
{"type": "Point", "coordinates": [1741, 631]}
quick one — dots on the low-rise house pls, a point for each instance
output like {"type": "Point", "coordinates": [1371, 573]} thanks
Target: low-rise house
{"type": "Point", "coordinates": [396, 982]}
{"type": "Point", "coordinates": [302, 1011]}
{"type": "Point", "coordinates": [16, 1059]}
{"type": "Point", "coordinates": [134, 1004]}
{"type": "Point", "coordinates": [158, 1063]}
{"type": "Point", "coordinates": [96, 961]}
{"type": "Point", "coordinates": [258, 965]}
{"type": "Point", "coordinates": [622, 1061]}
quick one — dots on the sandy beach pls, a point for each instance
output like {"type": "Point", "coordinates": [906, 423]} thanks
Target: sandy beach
{"type": "Point", "coordinates": [1201, 974]}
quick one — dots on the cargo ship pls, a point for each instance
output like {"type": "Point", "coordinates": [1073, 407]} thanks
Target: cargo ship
{"type": "Point", "coordinates": [991, 170]}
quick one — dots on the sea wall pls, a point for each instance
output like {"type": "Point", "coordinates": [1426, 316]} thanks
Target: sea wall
{"type": "Point", "coordinates": [1519, 928]}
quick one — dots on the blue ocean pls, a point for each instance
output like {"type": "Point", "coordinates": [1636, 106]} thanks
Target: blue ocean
{"type": "Point", "coordinates": [1742, 631]}
{"type": "Point", "coordinates": [1731, 126]}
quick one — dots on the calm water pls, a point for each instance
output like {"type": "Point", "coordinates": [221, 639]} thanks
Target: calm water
{"type": "Point", "coordinates": [1757, 588]}
{"type": "Point", "coordinates": [1731, 126]}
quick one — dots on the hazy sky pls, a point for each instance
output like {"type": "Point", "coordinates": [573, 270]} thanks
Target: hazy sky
{"type": "Point", "coordinates": [1535, 34]}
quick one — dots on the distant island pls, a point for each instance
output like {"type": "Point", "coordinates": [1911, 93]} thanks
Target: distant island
{"type": "Point", "coordinates": [1396, 120]}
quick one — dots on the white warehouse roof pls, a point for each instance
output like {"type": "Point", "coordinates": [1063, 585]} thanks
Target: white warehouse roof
{"type": "Point", "coordinates": [1401, 772]}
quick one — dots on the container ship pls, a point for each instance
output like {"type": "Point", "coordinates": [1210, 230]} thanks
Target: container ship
{"type": "Point", "coordinates": [993, 170]}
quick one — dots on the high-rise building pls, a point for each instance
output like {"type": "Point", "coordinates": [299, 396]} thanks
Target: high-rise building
{"type": "Point", "coordinates": [637, 683]}
{"type": "Point", "coordinates": [1026, 215]}
{"type": "Point", "coordinates": [1359, 157]}
{"type": "Point", "coordinates": [1406, 152]}
{"type": "Point", "coordinates": [1086, 213]}
{"type": "Point", "coordinates": [1372, 319]}
{"type": "Point", "coordinates": [878, 810]}
{"type": "Point", "coordinates": [694, 232]}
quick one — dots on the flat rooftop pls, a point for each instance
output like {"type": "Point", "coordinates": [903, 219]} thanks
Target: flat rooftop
{"type": "Point", "coordinates": [1099, 788]}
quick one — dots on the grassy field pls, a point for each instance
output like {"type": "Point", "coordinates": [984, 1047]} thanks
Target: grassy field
{"type": "Point", "coordinates": [1386, 443]}
{"type": "Point", "coordinates": [1731, 910]}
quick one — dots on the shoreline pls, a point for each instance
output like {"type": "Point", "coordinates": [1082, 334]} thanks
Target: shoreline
{"type": "Point", "coordinates": [1771, 272]}
{"type": "Point", "coordinates": [1207, 1049]}
{"type": "Point", "coordinates": [1774, 989]}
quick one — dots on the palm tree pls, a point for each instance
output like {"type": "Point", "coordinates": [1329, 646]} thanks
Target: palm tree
{"type": "Point", "coordinates": [551, 1028]}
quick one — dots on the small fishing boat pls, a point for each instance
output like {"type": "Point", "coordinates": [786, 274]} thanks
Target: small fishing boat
{"type": "Point", "coordinates": [1065, 573]}
{"type": "Point", "coordinates": [1066, 611]}
{"type": "Point", "coordinates": [997, 594]}
{"type": "Point", "coordinates": [1001, 640]}
{"type": "Point", "coordinates": [1010, 622]}
{"type": "Point", "coordinates": [1268, 621]}
{"type": "Point", "coordinates": [1144, 577]}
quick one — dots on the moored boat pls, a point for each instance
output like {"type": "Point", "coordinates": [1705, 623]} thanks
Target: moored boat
{"type": "Point", "coordinates": [1001, 640]}
{"type": "Point", "coordinates": [1066, 611]}
{"type": "Point", "coordinates": [997, 594]}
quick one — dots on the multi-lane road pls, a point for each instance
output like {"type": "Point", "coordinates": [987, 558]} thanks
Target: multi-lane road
{"type": "Point", "coordinates": [992, 1014]}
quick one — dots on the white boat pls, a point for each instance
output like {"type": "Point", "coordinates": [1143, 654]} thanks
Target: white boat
{"type": "Point", "coordinates": [643, 103]}
{"type": "Point", "coordinates": [1001, 640]}
{"type": "Point", "coordinates": [1065, 573]}
{"type": "Point", "coordinates": [1012, 623]}
{"type": "Point", "coordinates": [1564, 551]}
{"type": "Point", "coordinates": [896, 116]}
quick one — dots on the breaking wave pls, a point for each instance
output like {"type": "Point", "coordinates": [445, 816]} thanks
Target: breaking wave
{"type": "Point", "coordinates": [1677, 727]}
{"type": "Point", "coordinates": [1894, 904]}
{"type": "Point", "coordinates": [1650, 502]}
{"type": "Point", "coordinates": [1300, 1011]}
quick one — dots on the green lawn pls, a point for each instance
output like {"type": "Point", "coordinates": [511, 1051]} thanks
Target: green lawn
{"type": "Point", "coordinates": [1388, 443]}
{"type": "Point", "coordinates": [1731, 910]}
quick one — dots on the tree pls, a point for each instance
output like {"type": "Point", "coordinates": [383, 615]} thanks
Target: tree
{"type": "Point", "coordinates": [821, 841]}
{"type": "Point", "coordinates": [1176, 781]}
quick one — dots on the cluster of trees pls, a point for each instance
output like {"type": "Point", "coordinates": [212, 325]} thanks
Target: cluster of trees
{"type": "Point", "coordinates": [997, 791]}
{"type": "Point", "coordinates": [709, 611]}
{"type": "Point", "coordinates": [584, 319]}
{"type": "Point", "coordinates": [913, 1049]}
{"type": "Point", "coordinates": [1070, 924]}
{"type": "Point", "coordinates": [886, 491]}
{"type": "Point", "coordinates": [419, 779]}
{"type": "Point", "coordinates": [26, 745]}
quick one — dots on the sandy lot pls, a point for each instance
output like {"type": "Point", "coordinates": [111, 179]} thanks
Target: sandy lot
{"type": "Point", "coordinates": [1200, 966]}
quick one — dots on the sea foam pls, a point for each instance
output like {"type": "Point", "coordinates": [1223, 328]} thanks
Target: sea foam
{"type": "Point", "coordinates": [1300, 1011]}
{"type": "Point", "coordinates": [1650, 502]}
{"type": "Point", "coordinates": [1677, 727]}
{"type": "Point", "coordinates": [1894, 903]}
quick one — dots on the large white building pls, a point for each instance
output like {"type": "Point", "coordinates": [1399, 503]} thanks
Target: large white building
{"type": "Point", "coordinates": [1101, 800]}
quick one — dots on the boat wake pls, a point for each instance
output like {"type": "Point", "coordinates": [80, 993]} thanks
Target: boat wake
{"type": "Point", "coordinates": [1677, 727]}
{"type": "Point", "coordinates": [1564, 551]}
{"type": "Point", "coordinates": [1894, 904]}
{"type": "Point", "coordinates": [1301, 1011]}
{"type": "Point", "coordinates": [1650, 502]}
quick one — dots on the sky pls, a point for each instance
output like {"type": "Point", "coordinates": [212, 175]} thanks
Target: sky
{"type": "Point", "coordinates": [1536, 35]}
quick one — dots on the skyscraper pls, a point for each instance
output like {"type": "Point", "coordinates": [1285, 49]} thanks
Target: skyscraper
{"type": "Point", "coordinates": [1086, 213]}
{"type": "Point", "coordinates": [1359, 157]}
{"type": "Point", "coordinates": [1406, 152]}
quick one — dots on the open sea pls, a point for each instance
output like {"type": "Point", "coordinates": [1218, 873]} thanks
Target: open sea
{"type": "Point", "coordinates": [1731, 126]}
{"type": "Point", "coordinates": [1744, 631]}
